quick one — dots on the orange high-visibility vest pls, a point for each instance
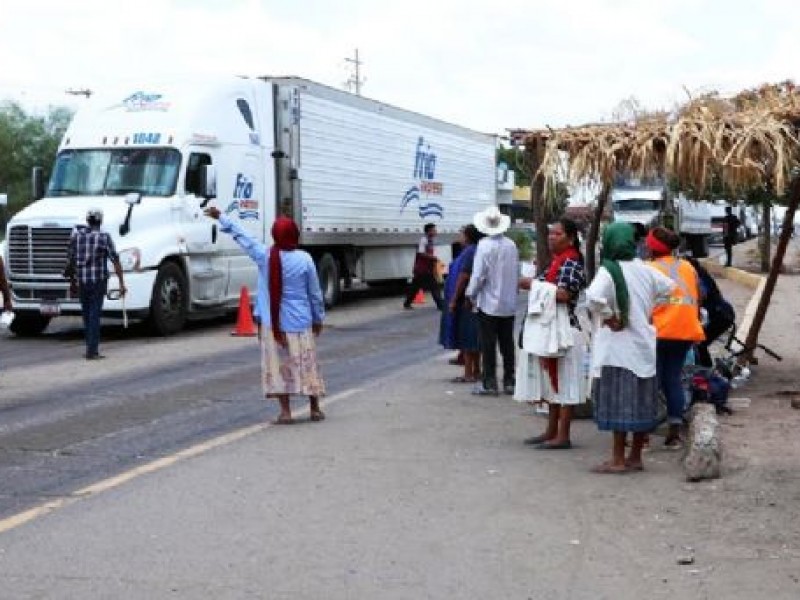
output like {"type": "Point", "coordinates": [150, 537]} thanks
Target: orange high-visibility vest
{"type": "Point", "coordinates": [678, 317]}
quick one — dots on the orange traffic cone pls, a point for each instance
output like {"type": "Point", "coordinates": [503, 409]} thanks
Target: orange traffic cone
{"type": "Point", "coordinates": [244, 322]}
{"type": "Point", "coordinates": [420, 297]}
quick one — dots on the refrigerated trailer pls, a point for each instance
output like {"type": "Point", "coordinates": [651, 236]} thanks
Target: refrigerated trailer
{"type": "Point", "coordinates": [360, 177]}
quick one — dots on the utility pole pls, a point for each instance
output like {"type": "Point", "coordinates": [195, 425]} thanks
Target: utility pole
{"type": "Point", "coordinates": [86, 92]}
{"type": "Point", "coordinates": [355, 81]}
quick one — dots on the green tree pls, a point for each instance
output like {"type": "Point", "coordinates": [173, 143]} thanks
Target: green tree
{"type": "Point", "coordinates": [513, 157]}
{"type": "Point", "coordinates": [26, 141]}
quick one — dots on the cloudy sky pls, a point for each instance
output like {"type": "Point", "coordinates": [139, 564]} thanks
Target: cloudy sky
{"type": "Point", "coordinates": [483, 64]}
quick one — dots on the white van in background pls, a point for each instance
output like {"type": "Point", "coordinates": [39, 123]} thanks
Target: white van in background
{"type": "Point", "coordinates": [653, 205]}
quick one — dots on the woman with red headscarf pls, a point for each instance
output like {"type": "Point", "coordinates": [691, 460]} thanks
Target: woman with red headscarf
{"type": "Point", "coordinates": [291, 310]}
{"type": "Point", "coordinates": [677, 322]}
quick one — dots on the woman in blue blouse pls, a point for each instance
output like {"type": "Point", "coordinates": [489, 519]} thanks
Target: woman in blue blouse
{"type": "Point", "coordinates": [291, 309]}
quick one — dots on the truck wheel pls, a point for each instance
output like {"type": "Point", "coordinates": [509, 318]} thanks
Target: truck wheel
{"type": "Point", "coordinates": [28, 324]}
{"type": "Point", "coordinates": [328, 272]}
{"type": "Point", "coordinates": [169, 303]}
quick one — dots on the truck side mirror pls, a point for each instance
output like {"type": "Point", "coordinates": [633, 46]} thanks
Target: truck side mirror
{"type": "Point", "coordinates": [208, 183]}
{"type": "Point", "coordinates": [131, 199]}
{"type": "Point", "coordinates": [37, 183]}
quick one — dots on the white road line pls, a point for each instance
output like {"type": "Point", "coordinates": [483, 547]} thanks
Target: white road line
{"type": "Point", "coordinates": [105, 485]}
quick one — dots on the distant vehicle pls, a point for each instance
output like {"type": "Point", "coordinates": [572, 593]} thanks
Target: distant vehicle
{"type": "Point", "coordinates": [654, 205]}
{"type": "Point", "coordinates": [360, 177]}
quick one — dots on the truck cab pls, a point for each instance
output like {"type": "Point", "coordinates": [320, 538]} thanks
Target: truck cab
{"type": "Point", "coordinates": [151, 159]}
{"type": "Point", "coordinates": [653, 205]}
{"type": "Point", "coordinates": [632, 204]}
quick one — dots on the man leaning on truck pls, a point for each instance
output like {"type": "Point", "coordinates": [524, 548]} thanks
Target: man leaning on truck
{"type": "Point", "coordinates": [90, 249]}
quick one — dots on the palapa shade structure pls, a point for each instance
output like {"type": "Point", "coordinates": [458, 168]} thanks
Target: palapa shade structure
{"type": "Point", "coordinates": [746, 141]}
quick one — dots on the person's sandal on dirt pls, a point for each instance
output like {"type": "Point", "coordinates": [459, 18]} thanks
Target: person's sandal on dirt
{"type": "Point", "coordinates": [552, 445]}
{"type": "Point", "coordinates": [537, 439]}
{"type": "Point", "coordinates": [609, 468]}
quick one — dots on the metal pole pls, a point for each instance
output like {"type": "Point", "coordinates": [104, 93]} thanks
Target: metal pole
{"type": "Point", "coordinates": [355, 81]}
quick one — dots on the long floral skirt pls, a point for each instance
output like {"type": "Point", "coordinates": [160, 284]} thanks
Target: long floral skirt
{"type": "Point", "coordinates": [293, 370]}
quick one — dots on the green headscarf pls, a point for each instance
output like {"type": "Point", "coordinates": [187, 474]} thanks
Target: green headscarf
{"type": "Point", "coordinates": [619, 244]}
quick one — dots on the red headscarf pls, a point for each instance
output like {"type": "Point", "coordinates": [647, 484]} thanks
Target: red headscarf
{"type": "Point", "coordinates": [286, 236]}
{"type": "Point", "coordinates": [656, 246]}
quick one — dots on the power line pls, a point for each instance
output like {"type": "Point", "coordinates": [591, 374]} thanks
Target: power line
{"type": "Point", "coordinates": [355, 81]}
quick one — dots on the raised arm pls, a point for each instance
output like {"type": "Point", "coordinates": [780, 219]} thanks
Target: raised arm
{"type": "Point", "coordinates": [254, 249]}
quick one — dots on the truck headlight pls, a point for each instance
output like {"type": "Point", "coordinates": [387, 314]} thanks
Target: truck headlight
{"type": "Point", "coordinates": [130, 259]}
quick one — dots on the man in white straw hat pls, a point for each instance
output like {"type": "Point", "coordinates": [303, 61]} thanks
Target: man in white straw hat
{"type": "Point", "coordinates": [492, 290]}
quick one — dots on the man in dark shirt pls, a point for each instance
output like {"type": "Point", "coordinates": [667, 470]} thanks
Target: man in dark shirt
{"type": "Point", "coordinates": [730, 234]}
{"type": "Point", "coordinates": [423, 276]}
{"type": "Point", "coordinates": [90, 249]}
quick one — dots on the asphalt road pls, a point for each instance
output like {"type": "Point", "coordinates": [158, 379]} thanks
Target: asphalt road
{"type": "Point", "coordinates": [65, 422]}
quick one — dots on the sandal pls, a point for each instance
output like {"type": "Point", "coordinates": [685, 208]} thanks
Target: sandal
{"type": "Point", "coordinates": [317, 416]}
{"type": "Point", "coordinates": [567, 445]}
{"type": "Point", "coordinates": [284, 421]}
{"type": "Point", "coordinates": [463, 380]}
{"type": "Point", "coordinates": [536, 440]}
{"type": "Point", "coordinates": [608, 468]}
{"type": "Point", "coordinates": [634, 466]}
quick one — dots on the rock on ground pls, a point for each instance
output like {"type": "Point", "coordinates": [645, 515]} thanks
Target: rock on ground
{"type": "Point", "coordinates": [703, 458]}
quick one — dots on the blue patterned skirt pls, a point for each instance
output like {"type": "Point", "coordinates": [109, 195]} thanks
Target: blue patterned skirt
{"type": "Point", "coordinates": [624, 402]}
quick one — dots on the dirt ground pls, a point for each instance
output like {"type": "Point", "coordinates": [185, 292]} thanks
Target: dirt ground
{"type": "Point", "coordinates": [760, 489]}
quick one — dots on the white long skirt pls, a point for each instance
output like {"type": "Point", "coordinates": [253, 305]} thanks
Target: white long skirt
{"type": "Point", "coordinates": [533, 382]}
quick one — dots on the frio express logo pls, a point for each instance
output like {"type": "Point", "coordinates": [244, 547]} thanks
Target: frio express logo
{"type": "Point", "coordinates": [425, 185]}
{"type": "Point", "coordinates": [243, 201]}
{"type": "Point", "coordinates": [143, 101]}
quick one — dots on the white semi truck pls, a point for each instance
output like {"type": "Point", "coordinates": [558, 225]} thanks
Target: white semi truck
{"type": "Point", "coordinates": [360, 177]}
{"type": "Point", "coordinates": [653, 205]}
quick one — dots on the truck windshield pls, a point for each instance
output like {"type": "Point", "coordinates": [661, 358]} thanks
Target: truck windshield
{"type": "Point", "coordinates": [636, 204]}
{"type": "Point", "coordinates": [149, 171]}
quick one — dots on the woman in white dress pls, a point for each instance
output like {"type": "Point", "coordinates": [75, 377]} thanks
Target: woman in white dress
{"type": "Point", "coordinates": [559, 381]}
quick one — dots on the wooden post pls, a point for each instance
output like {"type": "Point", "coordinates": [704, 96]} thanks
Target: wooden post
{"type": "Point", "coordinates": [538, 207]}
{"type": "Point", "coordinates": [772, 278]}
{"type": "Point", "coordinates": [766, 238]}
{"type": "Point", "coordinates": [594, 230]}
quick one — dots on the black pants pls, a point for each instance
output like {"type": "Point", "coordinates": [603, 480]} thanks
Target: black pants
{"type": "Point", "coordinates": [728, 243]}
{"type": "Point", "coordinates": [428, 283]}
{"type": "Point", "coordinates": [494, 332]}
{"type": "Point", "coordinates": [713, 329]}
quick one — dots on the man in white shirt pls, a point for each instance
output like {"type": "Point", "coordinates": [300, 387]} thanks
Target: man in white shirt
{"type": "Point", "coordinates": [493, 290]}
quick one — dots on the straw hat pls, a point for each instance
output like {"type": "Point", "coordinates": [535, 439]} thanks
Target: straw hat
{"type": "Point", "coordinates": [491, 221]}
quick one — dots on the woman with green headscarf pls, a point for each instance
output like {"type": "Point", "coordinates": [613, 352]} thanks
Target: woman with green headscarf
{"type": "Point", "coordinates": [624, 388]}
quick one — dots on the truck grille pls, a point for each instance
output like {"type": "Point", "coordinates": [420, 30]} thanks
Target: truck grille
{"type": "Point", "coordinates": [37, 250]}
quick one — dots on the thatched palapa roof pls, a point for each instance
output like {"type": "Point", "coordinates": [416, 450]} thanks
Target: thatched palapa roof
{"type": "Point", "coordinates": [748, 140]}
